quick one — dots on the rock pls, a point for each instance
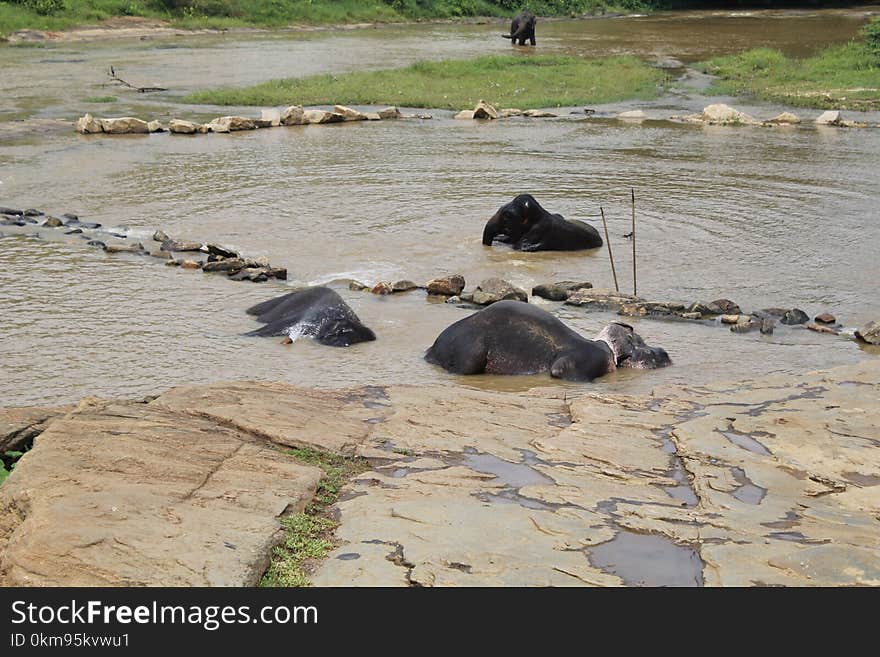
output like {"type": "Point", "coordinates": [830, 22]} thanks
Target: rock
{"type": "Point", "coordinates": [484, 110]}
{"type": "Point", "coordinates": [322, 116]}
{"type": "Point", "coordinates": [180, 245]}
{"type": "Point", "coordinates": [253, 274]}
{"type": "Point", "coordinates": [69, 217]}
{"type": "Point", "coordinates": [403, 286]}
{"type": "Point", "coordinates": [155, 126]}
{"type": "Point", "coordinates": [357, 286]}
{"type": "Point", "coordinates": [600, 299]}
{"type": "Point", "coordinates": [822, 328]}
{"type": "Point", "coordinates": [231, 124]}
{"type": "Point", "coordinates": [381, 288]}
{"type": "Point", "coordinates": [691, 316]}
{"type": "Point", "coordinates": [559, 291]}
{"type": "Point", "coordinates": [88, 125]}
{"type": "Point", "coordinates": [510, 111]}
{"type": "Point", "coordinates": [272, 116]}
{"type": "Point", "coordinates": [74, 231]}
{"type": "Point", "coordinates": [126, 248]}
{"type": "Point", "coordinates": [160, 236]}
{"type": "Point", "coordinates": [826, 318]}
{"type": "Point", "coordinates": [277, 272]}
{"type": "Point", "coordinates": [165, 255]}
{"type": "Point", "coordinates": [869, 333]}
{"type": "Point", "coordinates": [539, 114]}
{"type": "Point", "coordinates": [193, 502]}
{"type": "Point", "coordinates": [372, 116]}
{"type": "Point", "coordinates": [53, 222]}
{"type": "Point", "coordinates": [226, 265]}
{"type": "Point", "coordinates": [126, 125]}
{"type": "Point", "coordinates": [831, 117]}
{"type": "Point", "coordinates": [767, 325]}
{"type": "Point", "coordinates": [263, 123]}
{"type": "Point", "coordinates": [726, 306]}
{"type": "Point", "coordinates": [19, 426]}
{"type": "Point", "coordinates": [729, 319]}
{"type": "Point", "coordinates": [453, 299]}
{"type": "Point", "coordinates": [795, 316]}
{"type": "Point", "coordinates": [349, 114]}
{"type": "Point", "coordinates": [390, 113]}
{"type": "Point", "coordinates": [11, 212]}
{"type": "Point", "coordinates": [446, 285]}
{"type": "Point", "coordinates": [180, 127]}
{"type": "Point", "coordinates": [746, 324]}
{"type": "Point", "coordinates": [785, 118]}
{"type": "Point", "coordinates": [637, 115]}
{"type": "Point", "coordinates": [217, 250]}
{"type": "Point", "coordinates": [725, 115]}
{"type": "Point", "coordinates": [464, 114]}
{"type": "Point", "coordinates": [293, 115]}
{"type": "Point", "coordinates": [172, 262]}
{"type": "Point", "coordinates": [190, 264]}
{"type": "Point", "coordinates": [493, 290]}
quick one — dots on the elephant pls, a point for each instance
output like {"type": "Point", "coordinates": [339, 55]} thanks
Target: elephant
{"type": "Point", "coordinates": [318, 312]}
{"type": "Point", "coordinates": [522, 27]}
{"type": "Point", "coordinates": [514, 337]}
{"type": "Point", "coordinates": [527, 226]}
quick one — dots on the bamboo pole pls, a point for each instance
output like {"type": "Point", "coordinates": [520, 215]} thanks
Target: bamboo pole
{"type": "Point", "coordinates": [608, 242]}
{"type": "Point", "coordinates": [633, 195]}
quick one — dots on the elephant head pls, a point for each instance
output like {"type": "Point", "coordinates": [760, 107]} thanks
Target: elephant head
{"type": "Point", "coordinates": [630, 349]}
{"type": "Point", "coordinates": [513, 220]}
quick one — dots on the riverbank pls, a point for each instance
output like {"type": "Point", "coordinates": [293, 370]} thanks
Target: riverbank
{"type": "Point", "coordinates": [840, 77]}
{"type": "Point", "coordinates": [757, 482]}
{"type": "Point", "coordinates": [510, 81]}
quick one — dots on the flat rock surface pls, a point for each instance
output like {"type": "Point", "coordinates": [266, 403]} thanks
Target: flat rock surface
{"type": "Point", "coordinates": [767, 482]}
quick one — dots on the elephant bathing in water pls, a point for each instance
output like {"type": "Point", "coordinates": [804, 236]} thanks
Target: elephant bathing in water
{"type": "Point", "coordinates": [314, 311]}
{"type": "Point", "coordinates": [527, 226]}
{"type": "Point", "coordinates": [522, 27]}
{"type": "Point", "coordinates": [513, 337]}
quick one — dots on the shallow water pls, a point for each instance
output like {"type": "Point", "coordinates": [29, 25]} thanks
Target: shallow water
{"type": "Point", "coordinates": [766, 217]}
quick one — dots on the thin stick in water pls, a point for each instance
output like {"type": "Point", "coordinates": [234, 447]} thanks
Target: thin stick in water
{"type": "Point", "coordinates": [633, 193]}
{"type": "Point", "coordinates": [608, 242]}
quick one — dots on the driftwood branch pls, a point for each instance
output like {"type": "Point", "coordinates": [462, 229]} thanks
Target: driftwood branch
{"type": "Point", "coordinates": [143, 90]}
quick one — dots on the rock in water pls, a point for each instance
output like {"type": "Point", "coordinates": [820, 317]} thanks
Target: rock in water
{"type": "Point", "coordinates": [826, 318]}
{"type": "Point", "coordinates": [785, 118]}
{"type": "Point", "coordinates": [88, 125]}
{"type": "Point", "coordinates": [831, 117]}
{"type": "Point", "coordinates": [390, 113]}
{"type": "Point", "coordinates": [447, 285]}
{"type": "Point", "coordinates": [484, 110]}
{"type": "Point", "coordinates": [559, 291]}
{"type": "Point", "coordinates": [725, 115]}
{"type": "Point", "coordinates": [493, 290]}
{"type": "Point", "coordinates": [349, 114]}
{"type": "Point", "coordinates": [231, 124]}
{"type": "Point", "coordinates": [795, 316]}
{"type": "Point", "coordinates": [293, 115]}
{"type": "Point", "coordinates": [869, 333]}
{"type": "Point", "coordinates": [180, 127]}
{"type": "Point", "coordinates": [126, 125]}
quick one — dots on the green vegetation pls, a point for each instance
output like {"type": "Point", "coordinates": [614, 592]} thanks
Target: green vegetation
{"type": "Point", "coordinates": [100, 99]}
{"type": "Point", "coordinates": [61, 14]}
{"type": "Point", "coordinates": [308, 535]}
{"type": "Point", "coordinates": [504, 81]}
{"type": "Point", "coordinates": [845, 76]}
{"type": "Point", "coordinates": [7, 463]}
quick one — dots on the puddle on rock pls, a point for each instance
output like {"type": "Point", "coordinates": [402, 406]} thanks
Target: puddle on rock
{"type": "Point", "coordinates": [349, 556]}
{"type": "Point", "coordinates": [747, 492]}
{"type": "Point", "coordinates": [509, 496]}
{"type": "Point", "coordinates": [683, 491]}
{"type": "Point", "coordinates": [746, 441]}
{"type": "Point", "coordinates": [648, 560]}
{"type": "Point", "coordinates": [515, 475]}
{"type": "Point", "coordinates": [863, 480]}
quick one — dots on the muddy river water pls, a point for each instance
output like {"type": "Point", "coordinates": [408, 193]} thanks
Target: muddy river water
{"type": "Point", "coordinates": [766, 217]}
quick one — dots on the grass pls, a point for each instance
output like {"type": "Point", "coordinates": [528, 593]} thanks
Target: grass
{"type": "Point", "coordinates": [840, 77]}
{"type": "Point", "coordinates": [309, 535]}
{"type": "Point", "coordinates": [7, 463]}
{"type": "Point", "coordinates": [523, 82]}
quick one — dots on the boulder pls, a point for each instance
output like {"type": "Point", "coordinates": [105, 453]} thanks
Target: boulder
{"type": "Point", "coordinates": [357, 286]}
{"type": "Point", "coordinates": [372, 116]}
{"type": "Point", "coordinates": [253, 274]}
{"type": "Point", "coordinates": [231, 124]}
{"type": "Point", "coordinates": [126, 125]}
{"type": "Point", "coordinates": [217, 250]}
{"type": "Point", "coordinates": [277, 272]}
{"type": "Point", "coordinates": [31, 212]}
{"type": "Point", "coordinates": [88, 125]}
{"type": "Point", "coordinates": [273, 116]}
{"type": "Point", "coordinates": [464, 114]}
{"type": "Point", "coordinates": [322, 116]}
{"type": "Point", "coordinates": [403, 286]}
{"type": "Point", "coordinates": [160, 236]}
{"type": "Point", "coordinates": [493, 290]}
{"type": "Point", "coordinates": [484, 110]}
{"type": "Point", "coordinates": [53, 222]}
{"type": "Point", "coordinates": [124, 248]}
{"type": "Point", "coordinates": [559, 291]}
{"type": "Point", "coordinates": [190, 264]}
{"type": "Point", "coordinates": [785, 118]}
{"type": "Point", "coordinates": [729, 319]}
{"type": "Point", "coordinates": [11, 212]}
{"type": "Point", "coordinates": [826, 318]}
{"type": "Point", "coordinates": [539, 114]}
{"type": "Point", "coordinates": [181, 245]}
{"type": "Point", "coordinates": [831, 117]}
{"type": "Point", "coordinates": [446, 285]}
{"type": "Point", "coordinates": [794, 316]}
{"type": "Point", "coordinates": [720, 114]}
{"type": "Point", "coordinates": [225, 265]}
{"type": "Point", "coordinates": [390, 113]}
{"type": "Point", "coordinates": [19, 426]}
{"type": "Point", "coordinates": [293, 115]}
{"type": "Point", "coordinates": [381, 288]}
{"type": "Point", "coordinates": [600, 299]}
{"type": "Point", "coordinates": [155, 126]}
{"type": "Point", "coordinates": [510, 111]}
{"type": "Point", "coordinates": [349, 114]}
{"type": "Point", "coordinates": [180, 127]}
{"type": "Point", "coordinates": [691, 316]}
{"type": "Point", "coordinates": [746, 324]}
{"type": "Point", "coordinates": [869, 333]}
{"type": "Point", "coordinates": [767, 325]}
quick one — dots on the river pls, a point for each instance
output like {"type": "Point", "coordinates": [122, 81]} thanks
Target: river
{"type": "Point", "coordinates": [766, 217]}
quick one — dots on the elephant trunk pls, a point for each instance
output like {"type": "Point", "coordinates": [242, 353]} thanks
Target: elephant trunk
{"type": "Point", "coordinates": [493, 227]}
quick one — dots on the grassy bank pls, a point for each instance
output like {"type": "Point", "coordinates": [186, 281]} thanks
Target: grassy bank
{"type": "Point", "coordinates": [844, 77]}
{"type": "Point", "coordinates": [60, 14]}
{"type": "Point", "coordinates": [505, 81]}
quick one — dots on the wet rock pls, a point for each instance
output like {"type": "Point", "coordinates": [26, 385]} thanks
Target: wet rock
{"type": "Point", "coordinates": [31, 212]}
{"type": "Point", "coordinates": [11, 212]}
{"type": "Point", "coordinates": [181, 245]}
{"type": "Point", "coordinates": [53, 222]}
{"type": "Point", "coordinates": [633, 310]}
{"type": "Point", "coordinates": [746, 324]}
{"type": "Point", "coordinates": [88, 225]}
{"type": "Point", "coordinates": [126, 125]}
{"type": "Point", "coordinates": [493, 290]}
{"type": "Point", "coordinates": [164, 255]}
{"type": "Point", "coordinates": [357, 286]}
{"type": "Point", "coordinates": [254, 274]}
{"type": "Point", "coordinates": [484, 110]}
{"type": "Point", "coordinates": [464, 114]}
{"type": "Point", "coordinates": [822, 328]}
{"type": "Point", "coordinates": [270, 117]}
{"type": "Point", "coordinates": [349, 114]}
{"type": "Point", "coordinates": [160, 236]}
{"type": "Point", "coordinates": [691, 315]}
{"type": "Point", "coordinates": [767, 325]}
{"type": "Point", "coordinates": [726, 306]}
{"type": "Point", "coordinates": [126, 248]}
{"type": "Point", "coordinates": [633, 115]}
{"type": "Point", "coordinates": [729, 319]}
{"type": "Point", "coordinates": [69, 216]}
{"type": "Point", "coordinates": [277, 272]}
{"type": "Point", "coordinates": [720, 114]}
{"type": "Point", "coordinates": [446, 285]}
{"type": "Point", "coordinates": [826, 318]}
{"type": "Point", "coordinates": [88, 125]}
{"type": "Point", "coordinates": [180, 127]}
{"type": "Point", "coordinates": [97, 243]}
{"type": "Point", "coordinates": [794, 316]}
{"type": "Point", "coordinates": [510, 111]}
{"type": "Point", "coordinates": [831, 117]}
{"type": "Point", "coordinates": [390, 113]}
{"type": "Point", "coordinates": [293, 115]}
{"type": "Point", "coordinates": [785, 118]}
{"type": "Point", "coordinates": [155, 126]}
{"type": "Point", "coordinates": [559, 291]}
{"type": "Point", "coordinates": [225, 265]}
{"type": "Point", "coordinates": [190, 264]}
{"type": "Point", "coordinates": [869, 333]}
{"type": "Point", "coordinates": [453, 299]}
{"type": "Point", "coordinates": [223, 252]}
{"type": "Point", "coordinates": [74, 231]}
{"type": "Point", "coordinates": [403, 286]}
{"type": "Point", "coordinates": [600, 299]}
{"type": "Point", "coordinates": [539, 114]}
{"type": "Point", "coordinates": [322, 116]}
{"type": "Point", "coordinates": [231, 124]}
{"type": "Point", "coordinates": [381, 288]}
